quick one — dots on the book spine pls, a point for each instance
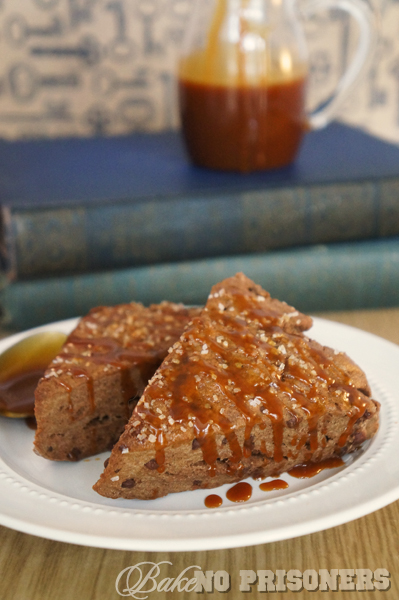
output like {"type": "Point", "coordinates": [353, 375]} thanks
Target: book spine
{"type": "Point", "coordinates": [316, 278]}
{"type": "Point", "coordinates": [126, 234]}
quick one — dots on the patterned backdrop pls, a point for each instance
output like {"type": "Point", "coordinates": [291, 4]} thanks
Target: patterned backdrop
{"type": "Point", "coordinates": [103, 67]}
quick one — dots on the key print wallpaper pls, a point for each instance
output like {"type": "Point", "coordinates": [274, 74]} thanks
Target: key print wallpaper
{"type": "Point", "coordinates": [105, 67]}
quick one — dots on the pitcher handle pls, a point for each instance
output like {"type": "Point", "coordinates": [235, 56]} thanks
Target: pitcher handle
{"type": "Point", "coordinates": [367, 40]}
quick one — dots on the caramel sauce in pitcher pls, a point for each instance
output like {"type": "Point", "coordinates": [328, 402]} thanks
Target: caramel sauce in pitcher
{"type": "Point", "coordinates": [239, 111]}
{"type": "Point", "coordinates": [243, 128]}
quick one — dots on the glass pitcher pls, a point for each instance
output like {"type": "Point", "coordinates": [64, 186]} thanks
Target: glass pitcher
{"type": "Point", "coordinates": [242, 80]}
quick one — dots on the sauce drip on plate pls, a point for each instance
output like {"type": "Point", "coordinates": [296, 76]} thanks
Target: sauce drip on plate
{"type": "Point", "coordinates": [276, 484]}
{"type": "Point", "coordinates": [213, 501]}
{"type": "Point", "coordinates": [241, 492]}
{"type": "Point", "coordinates": [310, 469]}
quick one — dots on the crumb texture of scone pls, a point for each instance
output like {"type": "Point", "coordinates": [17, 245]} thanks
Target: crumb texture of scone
{"type": "Point", "coordinates": [243, 392]}
{"type": "Point", "coordinates": [89, 390]}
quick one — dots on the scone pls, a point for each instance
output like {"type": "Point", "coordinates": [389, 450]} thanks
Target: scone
{"type": "Point", "coordinates": [89, 390]}
{"type": "Point", "coordinates": [243, 392]}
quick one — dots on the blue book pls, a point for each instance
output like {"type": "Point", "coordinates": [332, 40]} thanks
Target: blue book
{"type": "Point", "coordinates": [86, 205]}
{"type": "Point", "coordinates": [352, 275]}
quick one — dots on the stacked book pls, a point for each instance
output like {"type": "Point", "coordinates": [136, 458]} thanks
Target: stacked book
{"type": "Point", "coordinates": [98, 221]}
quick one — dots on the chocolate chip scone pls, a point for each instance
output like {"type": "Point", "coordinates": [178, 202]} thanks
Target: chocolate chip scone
{"type": "Point", "coordinates": [89, 390]}
{"type": "Point", "coordinates": [243, 392]}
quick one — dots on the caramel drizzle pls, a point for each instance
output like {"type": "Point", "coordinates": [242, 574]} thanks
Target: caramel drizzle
{"type": "Point", "coordinates": [107, 352]}
{"type": "Point", "coordinates": [77, 373]}
{"type": "Point", "coordinates": [187, 403]}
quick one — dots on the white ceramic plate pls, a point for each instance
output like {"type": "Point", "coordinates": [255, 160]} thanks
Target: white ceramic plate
{"type": "Point", "coordinates": [55, 500]}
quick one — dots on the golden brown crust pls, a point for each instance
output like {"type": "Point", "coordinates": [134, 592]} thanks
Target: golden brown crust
{"type": "Point", "coordinates": [242, 392]}
{"type": "Point", "coordinates": [85, 397]}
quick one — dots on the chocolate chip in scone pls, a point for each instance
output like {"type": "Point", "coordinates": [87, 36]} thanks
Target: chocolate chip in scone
{"type": "Point", "coordinates": [154, 494]}
{"type": "Point", "coordinates": [128, 483]}
{"type": "Point", "coordinates": [358, 437]}
{"type": "Point", "coordinates": [106, 461]}
{"type": "Point", "coordinates": [366, 415]}
{"type": "Point", "coordinates": [152, 464]}
{"type": "Point", "coordinates": [74, 454]}
{"type": "Point", "coordinates": [134, 399]}
{"type": "Point", "coordinates": [258, 473]}
{"type": "Point", "coordinates": [249, 443]}
{"type": "Point", "coordinates": [293, 420]}
{"type": "Point", "coordinates": [195, 445]}
{"type": "Point", "coordinates": [112, 443]}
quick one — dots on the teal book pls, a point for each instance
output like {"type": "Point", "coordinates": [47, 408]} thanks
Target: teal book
{"type": "Point", "coordinates": [89, 205]}
{"type": "Point", "coordinates": [363, 274]}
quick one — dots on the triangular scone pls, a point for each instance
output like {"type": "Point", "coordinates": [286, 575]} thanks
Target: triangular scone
{"type": "Point", "coordinates": [85, 398]}
{"type": "Point", "coordinates": [243, 392]}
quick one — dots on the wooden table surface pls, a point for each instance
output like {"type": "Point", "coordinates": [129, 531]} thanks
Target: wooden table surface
{"type": "Point", "coordinates": [32, 568]}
